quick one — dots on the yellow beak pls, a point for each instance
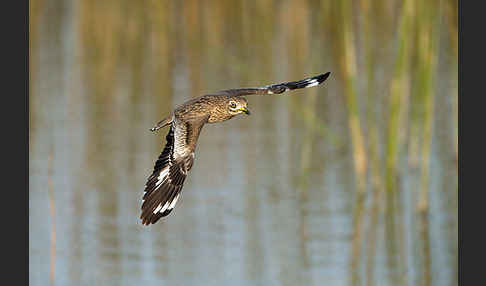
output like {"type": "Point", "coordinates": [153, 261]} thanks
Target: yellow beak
{"type": "Point", "coordinates": [245, 110]}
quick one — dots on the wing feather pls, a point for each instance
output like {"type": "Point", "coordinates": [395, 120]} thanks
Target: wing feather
{"type": "Point", "coordinates": [164, 185]}
{"type": "Point", "coordinates": [277, 88]}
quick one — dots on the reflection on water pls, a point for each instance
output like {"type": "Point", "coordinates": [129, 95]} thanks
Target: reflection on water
{"type": "Point", "coordinates": [350, 183]}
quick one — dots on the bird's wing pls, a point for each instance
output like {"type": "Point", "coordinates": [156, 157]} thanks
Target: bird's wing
{"type": "Point", "coordinates": [276, 88]}
{"type": "Point", "coordinates": [164, 186]}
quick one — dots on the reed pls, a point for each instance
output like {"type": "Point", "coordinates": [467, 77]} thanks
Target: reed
{"type": "Point", "coordinates": [52, 214]}
{"type": "Point", "coordinates": [451, 11]}
{"type": "Point", "coordinates": [162, 48]}
{"type": "Point", "coordinates": [36, 7]}
{"type": "Point", "coordinates": [368, 32]}
{"type": "Point", "coordinates": [299, 45]}
{"type": "Point", "coordinates": [303, 183]}
{"type": "Point", "coordinates": [338, 19]}
{"type": "Point", "coordinates": [427, 63]}
{"type": "Point", "coordinates": [451, 15]}
{"type": "Point", "coordinates": [35, 11]}
{"type": "Point", "coordinates": [397, 111]}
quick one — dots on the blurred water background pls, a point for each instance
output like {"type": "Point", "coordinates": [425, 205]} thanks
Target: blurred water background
{"type": "Point", "coordinates": [353, 182]}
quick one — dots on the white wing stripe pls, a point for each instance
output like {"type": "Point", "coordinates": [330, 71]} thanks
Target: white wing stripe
{"type": "Point", "coordinates": [165, 207]}
{"type": "Point", "coordinates": [158, 208]}
{"type": "Point", "coordinates": [311, 84]}
{"type": "Point", "coordinates": [174, 201]}
{"type": "Point", "coordinates": [162, 177]}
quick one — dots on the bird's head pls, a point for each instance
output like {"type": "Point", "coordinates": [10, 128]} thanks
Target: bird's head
{"type": "Point", "coordinates": [237, 105]}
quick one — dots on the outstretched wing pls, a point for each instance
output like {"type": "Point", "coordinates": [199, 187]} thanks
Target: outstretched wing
{"type": "Point", "coordinates": [277, 88]}
{"type": "Point", "coordinates": [164, 186]}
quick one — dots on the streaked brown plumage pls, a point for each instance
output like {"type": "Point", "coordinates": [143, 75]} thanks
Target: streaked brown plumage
{"type": "Point", "coordinates": [164, 185]}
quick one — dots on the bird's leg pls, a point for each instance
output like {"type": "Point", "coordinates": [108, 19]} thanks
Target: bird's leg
{"type": "Point", "coordinates": [162, 123]}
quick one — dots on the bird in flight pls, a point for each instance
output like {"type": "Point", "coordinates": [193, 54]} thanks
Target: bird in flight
{"type": "Point", "coordinates": [164, 185]}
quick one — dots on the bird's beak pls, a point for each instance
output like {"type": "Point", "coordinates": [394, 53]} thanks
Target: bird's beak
{"type": "Point", "coordinates": [245, 110]}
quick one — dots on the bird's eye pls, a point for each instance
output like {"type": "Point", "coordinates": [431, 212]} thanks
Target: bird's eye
{"type": "Point", "coordinates": [232, 104]}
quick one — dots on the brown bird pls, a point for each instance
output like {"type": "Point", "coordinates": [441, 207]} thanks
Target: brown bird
{"type": "Point", "coordinates": [164, 186]}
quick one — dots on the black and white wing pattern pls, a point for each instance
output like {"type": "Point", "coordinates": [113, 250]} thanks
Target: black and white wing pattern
{"type": "Point", "coordinates": [277, 88]}
{"type": "Point", "coordinates": [164, 186]}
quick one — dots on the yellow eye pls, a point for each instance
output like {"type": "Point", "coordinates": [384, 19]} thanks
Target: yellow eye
{"type": "Point", "coordinates": [232, 104]}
